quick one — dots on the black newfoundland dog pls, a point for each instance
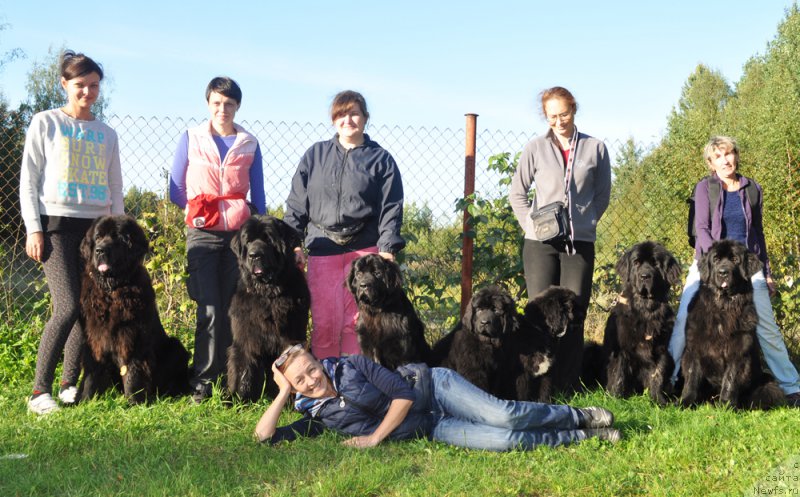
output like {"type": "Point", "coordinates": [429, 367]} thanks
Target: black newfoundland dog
{"type": "Point", "coordinates": [389, 330]}
{"type": "Point", "coordinates": [505, 353]}
{"type": "Point", "coordinates": [722, 359]}
{"type": "Point", "coordinates": [125, 342]}
{"type": "Point", "coordinates": [269, 310]}
{"type": "Point", "coordinates": [478, 348]}
{"type": "Point", "coordinates": [549, 365]}
{"type": "Point", "coordinates": [639, 327]}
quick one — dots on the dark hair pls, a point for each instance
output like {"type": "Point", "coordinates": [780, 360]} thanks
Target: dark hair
{"type": "Point", "coordinates": [344, 102]}
{"type": "Point", "coordinates": [75, 65]}
{"type": "Point", "coordinates": [224, 86]}
{"type": "Point", "coordinates": [561, 93]}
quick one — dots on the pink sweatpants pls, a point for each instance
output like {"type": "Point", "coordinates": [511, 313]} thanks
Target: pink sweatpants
{"type": "Point", "coordinates": [333, 309]}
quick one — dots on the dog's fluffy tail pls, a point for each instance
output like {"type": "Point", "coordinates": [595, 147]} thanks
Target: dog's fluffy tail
{"type": "Point", "coordinates": [767, 395]}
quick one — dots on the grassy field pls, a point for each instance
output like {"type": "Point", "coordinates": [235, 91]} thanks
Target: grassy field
{"type": "Point", "coordinates": [176, 448]}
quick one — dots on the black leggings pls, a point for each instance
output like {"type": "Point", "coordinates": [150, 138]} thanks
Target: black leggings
{"type": "Point", "coordinates": [549, 265]}
{"type": "Point", "coordinates": [62, 267]}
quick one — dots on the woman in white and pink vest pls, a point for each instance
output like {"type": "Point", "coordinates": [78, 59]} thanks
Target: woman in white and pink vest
{"type": "Point", "coordinates": [215, 165]}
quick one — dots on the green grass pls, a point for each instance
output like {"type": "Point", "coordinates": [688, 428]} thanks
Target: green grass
{"type": "Point", "coordinates": [173, 447]}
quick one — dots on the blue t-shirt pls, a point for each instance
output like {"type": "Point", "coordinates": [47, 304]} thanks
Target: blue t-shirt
{"type": "Point", "coordinates": [734, 224]}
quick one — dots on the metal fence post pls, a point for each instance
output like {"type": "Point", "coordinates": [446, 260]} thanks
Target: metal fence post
{"type": "Point", "coordinates": [469, 189]}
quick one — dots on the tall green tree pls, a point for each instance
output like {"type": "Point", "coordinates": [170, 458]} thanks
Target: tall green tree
{"type": "Point", "coordinates": [764, 116]}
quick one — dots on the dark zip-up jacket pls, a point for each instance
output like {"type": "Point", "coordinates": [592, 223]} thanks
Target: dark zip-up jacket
{"type": "Point", "coordinates": [335, 187]}
{"type": "Point", "coordinates": [364, 391]}
{"type": "Point", "coordinates": [709, 225]}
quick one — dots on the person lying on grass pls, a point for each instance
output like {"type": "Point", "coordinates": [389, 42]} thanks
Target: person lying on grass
{"type": "Point", "coordinates": [355, 396]}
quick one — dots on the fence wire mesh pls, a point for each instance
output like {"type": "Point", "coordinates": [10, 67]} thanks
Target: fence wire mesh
{"type": "Point", "coordinates": [431, 161]}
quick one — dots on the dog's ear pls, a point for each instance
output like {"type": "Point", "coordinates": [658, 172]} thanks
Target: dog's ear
{"type": "Point", "coordinates": [672, 270]}
{"type": "Point", "coordinates": [624, 265]}
{"type": "Point", "coordinates": [351, 275]}
{"type": "Point", "coordinates": [87, 244]}
{"type": "Point", "coordinates": [236, 244]}
{"type": "Point", "coordinates": [466, 320]}
{"type": "Point", "coordinates": [136, 239]}
{"type": "Point", "coordinates": [704, 265]}
{"type": "Point", "coordinates": [392, 274]}
{"type": "Point", "coordinates": [510, 316]}
{"type": "Point", "coordinates": [752, 264]}
{"type": "Point", "coordinates": [289, 236]}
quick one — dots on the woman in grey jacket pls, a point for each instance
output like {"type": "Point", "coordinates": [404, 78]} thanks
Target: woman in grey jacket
{"type": "Point", "coordinates": [565, 166]}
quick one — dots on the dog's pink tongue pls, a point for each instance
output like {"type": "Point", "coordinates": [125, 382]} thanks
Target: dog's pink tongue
{"type": "Point", "coordinates": [724, 284]}
{"type": "Point", "coordinates": [103, 268]}
{"type": "Point", "coordinates": [258, 271]}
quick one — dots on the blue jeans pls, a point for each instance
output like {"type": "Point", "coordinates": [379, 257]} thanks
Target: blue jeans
{"type": "Point", "coordinates": [769, 335]}
{"type": "Point", "coordinates": [466, 416]}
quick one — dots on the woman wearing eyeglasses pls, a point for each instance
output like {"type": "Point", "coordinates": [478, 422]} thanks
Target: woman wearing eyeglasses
{"type": "Point", "coordinates": [572, 168]}
{"type": "Point", "coordinates": [357, 397]}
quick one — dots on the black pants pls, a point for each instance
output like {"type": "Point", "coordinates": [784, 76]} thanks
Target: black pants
{"type": "Point", "coordinates": [213, 275]}
{"type": "Point", "coordinates": [550, 264]}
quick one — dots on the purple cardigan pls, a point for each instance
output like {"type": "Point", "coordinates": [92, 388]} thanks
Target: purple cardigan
{"type": "Point", "coordinates": [710, 230]}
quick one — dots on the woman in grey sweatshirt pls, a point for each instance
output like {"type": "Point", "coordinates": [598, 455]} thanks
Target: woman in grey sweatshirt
{"type": "Point", "coordinates": [566, 166]}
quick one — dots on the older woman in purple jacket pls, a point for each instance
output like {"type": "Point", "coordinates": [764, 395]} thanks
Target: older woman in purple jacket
{"type": "Point", "coordinates": [734, 218]}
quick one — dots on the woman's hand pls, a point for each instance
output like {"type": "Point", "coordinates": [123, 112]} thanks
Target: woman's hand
{"type": "Point", "coordinates": [771, 286]}
{"type": "Point", "coordinates": [397, 412]}
{"type": "Point", "coordinates": [361, 442]}
{"type": "Point", "coordinates": [387, 255]}
{"type": "Point", "coordinates": [34, 246]}
{"type": "Point", "coordinates": [265, 427]}
{"type": "Point", "coordinates": [281, 380]}
{"type": "Point", "coordinates": [299, 257]}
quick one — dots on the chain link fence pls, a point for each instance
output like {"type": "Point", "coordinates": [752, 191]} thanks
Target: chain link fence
{"type": "Point", "coordinates": [431, 161]}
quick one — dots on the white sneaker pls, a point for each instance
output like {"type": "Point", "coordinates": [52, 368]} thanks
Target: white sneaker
{"type": "Point", "coordinates": [68, 395]}
{"type": "Point", "coordinates": [42, 404]}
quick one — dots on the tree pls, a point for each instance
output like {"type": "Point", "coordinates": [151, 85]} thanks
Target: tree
{"type": "Point", "coordinates": [9, 55]}
{"type": "Point", "coordinates": [44, 86]}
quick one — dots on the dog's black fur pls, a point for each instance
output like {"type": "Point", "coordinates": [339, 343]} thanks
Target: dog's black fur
{"type": "Point", "coordinates": [269, 310]}
{"type": "Point", "coordinates": [478, 347]}
{"type": "Point", "coordinates": [639, 327]}
{"type": "Point", "coordinates": [539, 348]}
{"type": "Point", "coordinates": [388, 328]}
{"type": "Point", "coordinates": [722, 360]}
{"type": "Point", "coordinates": [508, 354]}
{"type": "Point", "coordinates": [126, 345]}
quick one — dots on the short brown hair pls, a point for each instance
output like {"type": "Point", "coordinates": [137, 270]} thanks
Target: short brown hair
{"type": "Point", "coordinates": [561, 93]}
{"type": "Point", "coordinates": [344, 102]}
{"type": "Point", "coordinates": [723, 143]}
{"type": "Point", "coordinates": [74, 65]}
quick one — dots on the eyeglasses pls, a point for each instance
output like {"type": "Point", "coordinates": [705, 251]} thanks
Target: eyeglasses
{"type": "Point", "coordinates": [564, 116]}
{"type": "Point", "coordinates": [281, 360]}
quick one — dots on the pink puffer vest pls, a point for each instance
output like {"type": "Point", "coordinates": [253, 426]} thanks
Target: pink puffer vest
{"type": "Point", "coordinates": [207, 174]}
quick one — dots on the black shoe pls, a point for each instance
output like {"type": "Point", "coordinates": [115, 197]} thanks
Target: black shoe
{"type": "Point", "coordinates": [595, 417]}
{"type": "Point", "coordinates": [612, 435]}
{"type": "Point", "coordinates": [793, 400]}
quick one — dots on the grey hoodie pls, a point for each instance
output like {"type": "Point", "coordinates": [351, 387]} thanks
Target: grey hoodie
{"type": "Point", "coordinates": [541, 165]}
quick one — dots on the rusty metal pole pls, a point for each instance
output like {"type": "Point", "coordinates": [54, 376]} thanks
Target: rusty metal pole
{"type": "Point", "coordinates": [469, 189]}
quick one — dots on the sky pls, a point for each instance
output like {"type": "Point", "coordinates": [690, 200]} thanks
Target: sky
{"type": "Point", "coordinates": [418, 63]}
